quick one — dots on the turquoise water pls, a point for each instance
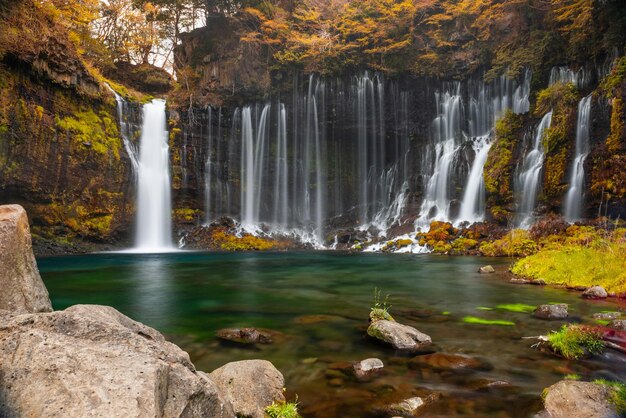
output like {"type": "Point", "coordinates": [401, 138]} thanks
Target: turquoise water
{"type": "Point", "coordinates": [188, 296]}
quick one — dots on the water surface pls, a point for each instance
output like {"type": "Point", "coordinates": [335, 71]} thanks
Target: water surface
{"type": "Point", "coordinates": [188, 296]}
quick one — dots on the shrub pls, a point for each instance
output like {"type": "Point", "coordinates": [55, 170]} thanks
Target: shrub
{"type": "Point", "coordinates": [380, 310]}
{"type": "Point", "coordinates": [516, 243]}
{"type": "Point", "coordinates": [576, 341]}
{"type": "Point", "coordinates": [282, 410]}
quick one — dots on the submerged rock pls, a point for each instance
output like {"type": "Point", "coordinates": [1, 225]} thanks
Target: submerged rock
{"type": "Point", "coordinates": [245, 335]}
{"type": "Point", "coordinates": [445, 361]}
{"type": "Point", "coordinates": [595, 292]}
{"type": "Point", "coordinates": [368, 368]}
{"type": "Point", "coordinates": [618, 324]}
{"type": "Point", "coordinates": [606, 316]}
{"type": "Point", "coordinates": [551, 311]}
{"type": "Point", "coordinates": [250, 386]}
{"type": "Point", "coordinates": [412, 407]}
{"type": "Point", "coordinates": [486, 269]}
{"type": "Point", "coordinates": [401, 337]}
{"type": "Point", "coordinates": [573, 399]}
{"type": "Point", "coordinates": [517, 280]}
{"type": "Point", "coordinates": [21, 288]}
{"type": "Point", "coordinates": [91, 360]}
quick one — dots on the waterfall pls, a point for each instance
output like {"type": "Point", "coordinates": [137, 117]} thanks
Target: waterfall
{"type": "Point", "coordinates": [125, 130]}
{"type": "Point", "coordinates": [445, 130]}
{"type": "Point", "coordinates": [527, 180]}
{"type": "Point", "coordinates": [473, 205]}
{"type": "Point", "coordinates": [581, 78]}
{"type": "Point", "coordinates": [154, 224]}
{"type": "Point", "coordinates": [575, 193]}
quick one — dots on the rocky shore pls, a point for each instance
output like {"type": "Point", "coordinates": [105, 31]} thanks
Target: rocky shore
{"type": "Point", "coordinates": [91, 360]}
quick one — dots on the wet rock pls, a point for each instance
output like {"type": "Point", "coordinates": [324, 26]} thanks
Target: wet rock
{"type": "Point", "coordinates": [486, 269]}
{"type": "Point", "coordinates": [488, 385]}
{"type": "Point", "coordinates": [618, 324]}
{"type": "Point", "coordinates": [573, 399]}
{"type": "Point", "coordinates": [517, 280]}
{"type": "Point", "coordinates": [367, 368]}
{"type": "Point", "coordinates": [595, 292]}
{"type": "Point", "coordinates": [444, 361]}
{"type": "Point", "coordinates": [551, 311]}
{"type": "Point", "coordinates": [412, 407]}
{"type": "Point", "coordinates": [606, 316]}
{"type": "Point", "coordinates": [21, 287]}
{"type": "Point", "coordinates": [245, 335]}
{"type": "Point", "coordinates": [92, 361]}
{"type": "Point", "coordinates": [250, 386]}
{"type": "Point", "coordinates": [401, 337]}
{"type": "Point", "coordinates": [538, 282]}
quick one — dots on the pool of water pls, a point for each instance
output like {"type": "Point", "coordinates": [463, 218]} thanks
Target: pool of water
{"type": "Point", "coordinates": [320, 302]}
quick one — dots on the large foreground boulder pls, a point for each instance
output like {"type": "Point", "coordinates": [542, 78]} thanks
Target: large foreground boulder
{"type": "Point", "coordinates": [250, 386]}
{"type": "Point", "coordinates": [21, 288]}
{"type": "Point", "coordinates": [401, 337]}
{"type": "Point", "coordinates": [573, 399]}
{"type": "Point", "coordinates": [92, 361]}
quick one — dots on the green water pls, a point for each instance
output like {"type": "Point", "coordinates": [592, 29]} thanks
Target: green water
{"type": "Point", "coordinates": [188, 296]}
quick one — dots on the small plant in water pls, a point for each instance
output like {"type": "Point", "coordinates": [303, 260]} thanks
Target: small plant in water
{"type": "Point", "coordinates": [380, 310]}
{"type": "Point", "coordinates": [576, 341]}
{"type": "Point", "coordinates": [283, 410]}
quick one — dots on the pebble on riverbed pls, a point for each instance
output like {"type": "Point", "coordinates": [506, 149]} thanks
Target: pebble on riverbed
{"type": "Point", "coordinates": [246, 335]}
{"type": "Point", "coordinates": [606, 316]}
{"type": "Point", "coordinates": [368, 368]}
{"type": "Point", "coordinates": [486, 269]}
{"type": "Point", "coordinates": [551, 311]}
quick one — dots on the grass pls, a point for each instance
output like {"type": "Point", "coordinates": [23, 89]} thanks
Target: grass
{"type": "Point", "coordinates": [482, 321]}
{"type": "Point", "coordinates": [618, 393]}
{"type": "Point", "coordinates": [380, 310]}
{"type": "Point", "coordinates": [282, 410]}
{"type": "Point", "coordinates": [576, 341]}
{"type": "Point", "coordinates": [602, 261]}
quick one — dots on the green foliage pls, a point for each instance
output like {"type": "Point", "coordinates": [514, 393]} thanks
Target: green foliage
{"type": "Point", "coordinates": [380, 310]}
{"type": "Point", "coordinates": [97, 131]}
{"type": "Point", "coordinates": [499, 165]}
{"type": "Point", "coordinates": [576, 341]}
{"type": "Point", "coordinates": [585, 259]}
{"type": "Point", "coordinates": [482, 321]}
{"type": "Point", "coordinates": [247, 242]}
{"type": "Point", "coordinates": [618, 393]}
{"type": "Point", "coordinates": [517, 243]}
{"type": "Point", "coordinates": [572, 377]}
{"type": "Point", "coordinates": [283, 410]}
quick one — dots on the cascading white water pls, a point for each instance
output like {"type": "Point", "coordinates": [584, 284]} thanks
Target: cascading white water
{"type": "Point", "coordinates": [125, 130]}
{"type": "Point", "coordinates": [581, 78]}
{"type": "Point", "coordinates": [154, 207]}
{"type": "Point", "coordinates": [446, 129]}
{"type": "Point", "coordinates": [575, 193]}
{"type": "Point", "coordinates": [473, 206]}
{"type": "Point", "coordinates": [527, 181]}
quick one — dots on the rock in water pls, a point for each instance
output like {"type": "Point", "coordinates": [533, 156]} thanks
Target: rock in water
{"type": "Point", "coordinates": [444, 361]}
{"type": "Point", "coordinates": [618, 324]}
{"type": "Point", "coordinates": [250, 386]}
{"type": "Point", "coordinates": [595, 292]}
{"type": "Point", "coordinates": [245, 335]}
{"type": "Point", "coordinates": [573, 399]}
{"type": "Point", "coordinates": [401, 337]}
{"type": "Point", "coordinates": [92, 361]}
{"type": "Point", "coordinates": [552, 311]}
{"type": "Point", "coordinates": [368, 368]}
{"type": "Point", "coordinates": [486, 269]}
{"type": "Point", "coordinates": [21, 287]}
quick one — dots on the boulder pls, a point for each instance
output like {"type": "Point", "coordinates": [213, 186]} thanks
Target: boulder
{"type": "Point", "coordinates": [618, 324]}
{"type": "Point", "coordinates": [551, 311]}
{"type": "Point", "coordinates": [22, 288]}
{"type": "Point", "coordinates": [250, 386]}
{"type": "Point", "coordinates": [595, 292]}
{"type": "Point", "coordinates": [401, 337]}
{"type": "Point", "coordinates": [486, 269]}
{"type": "Point", "coordinates": [367, 368]}
{"type": "Point", "coordinates": [574, 399]}
{"type": "Point", "coordinates": [92, 361]}
{"type": "Point", "coordinates": [446, 361]}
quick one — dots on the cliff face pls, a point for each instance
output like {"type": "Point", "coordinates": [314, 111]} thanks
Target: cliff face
{"type": "Point", "coordinates": [61, 155]}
